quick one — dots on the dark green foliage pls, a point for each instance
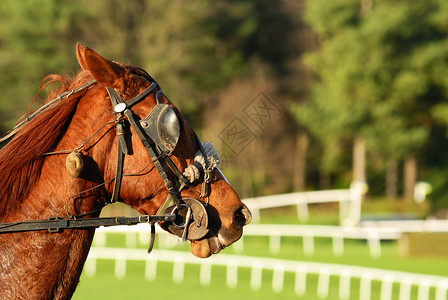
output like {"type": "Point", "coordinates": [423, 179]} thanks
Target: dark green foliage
{"type": "Point", "coordinates": [380, 74]}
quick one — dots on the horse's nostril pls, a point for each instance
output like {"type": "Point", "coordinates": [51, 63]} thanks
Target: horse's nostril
{"type": "Point", "coordinates": [242, 216]}
{"type": "Point", "coordinates": [247, 214]}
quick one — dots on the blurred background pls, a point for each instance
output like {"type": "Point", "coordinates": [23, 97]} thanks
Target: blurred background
{"type": "Point", "coordinates": [297, 95]}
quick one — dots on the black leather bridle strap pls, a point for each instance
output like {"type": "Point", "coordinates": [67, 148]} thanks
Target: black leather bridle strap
{"type": "Point", "coordinates": [121, 148]}
{"type": "Point", "coordinates": [58, 224]}
{"type": "Point", "coordinates": [121, 107]}
{"type": "Point", "coordinates": [141, 96]}
{"type": "Point", "coordinates": [49, 104]}
{"type": "Point", "coordinates": [148, 143]}
{"type": "Point", "coordinates": [150, 147]}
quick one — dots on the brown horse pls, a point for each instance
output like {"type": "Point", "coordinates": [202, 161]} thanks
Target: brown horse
{"type": "Point", "coordinates": [36, 186]}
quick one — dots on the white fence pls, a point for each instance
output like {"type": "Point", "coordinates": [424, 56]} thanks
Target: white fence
{"type": "Point", "coordinates": [274, 232]}
{"type": "Point", "coordinates": [428, 225]}
{"type": "Point", "coordinates": [257, 265]}
{"type": "Point", "coordinates": [372, 232]}
{"type": "Point", "coordinates": [308, 233]}
{"type": "Point", "coordinates": [349, 203]}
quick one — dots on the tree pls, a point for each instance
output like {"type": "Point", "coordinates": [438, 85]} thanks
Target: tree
{"type": "Point", "coordinates": [372, 76]}
{"type": "Point", "coordinates": [193, 48]}
{"type": "Point", "coordinates": [36, 39]}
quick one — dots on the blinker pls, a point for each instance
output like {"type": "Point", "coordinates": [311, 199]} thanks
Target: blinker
{"type": "Point", "coordinates": [162, 126]}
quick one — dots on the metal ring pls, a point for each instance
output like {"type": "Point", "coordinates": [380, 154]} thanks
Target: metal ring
{"type": "Point", "coordinates": [174, 211]}
{"type": "Point", "coordinates": [187, 224]}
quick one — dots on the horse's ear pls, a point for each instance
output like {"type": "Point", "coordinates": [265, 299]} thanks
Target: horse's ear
{"type": "Point", "coordinates": [80, 49]}
{"type": "Point", "coordinates": [104, 71]}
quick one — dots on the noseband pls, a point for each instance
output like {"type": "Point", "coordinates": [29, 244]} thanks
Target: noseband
{"type": "Point", "coordinates": [159, 133]}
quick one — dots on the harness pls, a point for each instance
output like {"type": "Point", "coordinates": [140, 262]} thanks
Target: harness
{"type": "Point", "coordinates": [159, 133]}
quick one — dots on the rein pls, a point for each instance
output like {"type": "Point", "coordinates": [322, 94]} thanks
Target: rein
{"type": "Point", "coordinates": [186, 217]}
{"type": "Point", "coordinates": [47, 105]}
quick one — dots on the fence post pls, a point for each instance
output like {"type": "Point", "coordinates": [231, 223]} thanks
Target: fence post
{"type": "Point", "coordinates": [151, 268]}
{"type": "Point", "coordinates": [441, 289]}
{"type": "Point", "coordinates": [274, 242]}
{"type": "Point", "coordinates": [90, 267]}
{"type": "Point", "coordinates": [205, 275]}
{"type": "Point", "coordinates": [323, 283]}
{"type": "Point", "coordinates": [423, 290]}
{"type": "Point", "coordinates": [178, 269]}
{"type": "Point", "coordinates": [256, 275]}
{"type": "Point", "coordinates": [120, 266]}
{"type": "Point", "coordinates": [357, 189]}
{"type": "Point", "coordinates": [405, 289]}
{"type": "Point", "coordinates": [366, 285]}
{"type": "Point", "coordinates": [278, 278]}
{"type": "Point", "coordinates": [374, 245]}
{"type": "Point", "coordinates": [302, 209]}
{"type": "Point", "coordinates": [238, 247]}
{"type": "Point", "coordinates": [232, 273]}
{"type": "Point", "coordinates": [386, 287]}
{"type": "Point", "coordinates": [131, 239]}
{"type": "Point", "coordinates": [308, 245]}
{"type": "Point", "coordinates": [344, 284]}
{"type": "Point", "coordinates": [338, 244]}
{"type": "Point", "coordinates": [100, 238]}
{"type": "Point", "coordinates": [300, 283]}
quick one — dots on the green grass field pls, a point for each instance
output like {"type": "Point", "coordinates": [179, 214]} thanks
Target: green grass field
{"type": "Point", "coordinates": [134, 286]}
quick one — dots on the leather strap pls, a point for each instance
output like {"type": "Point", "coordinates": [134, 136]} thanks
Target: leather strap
{"type": "Point", "coordinates": [150, 147]}
{"type": "Point", "coordinates": [141, 96]}
{"type": "Point", "coordinates": [122, 150]}
{"type": "Point", "coordinates": [147, 142]}
{"type": "Point", "coordinates": [58, 224]}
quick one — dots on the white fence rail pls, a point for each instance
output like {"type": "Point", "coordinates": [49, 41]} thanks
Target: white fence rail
{"type": "Point", "coordinates": [349, 203]}
{"type": "Point", "coordinates": [429, 225]}
{"type": "Point", "coordinates": [257, 265]}
{"type": "Point", "coordinates": [308, 233]}
{"type": "Point", "coordinates": [372, 232]}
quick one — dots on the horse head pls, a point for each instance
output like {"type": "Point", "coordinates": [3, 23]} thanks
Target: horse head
{"type": "Point", "coordinates": [165, 167]}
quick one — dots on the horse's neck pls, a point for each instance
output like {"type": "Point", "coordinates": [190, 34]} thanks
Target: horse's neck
{"type": "Point", "coordinates": [48, 264]}
{"type": "Point", "coordinates": [54, 193]}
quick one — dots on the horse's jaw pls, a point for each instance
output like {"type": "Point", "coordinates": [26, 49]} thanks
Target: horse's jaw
{"type": "Point", "coordinates": [206, 247]}
{"type": "Point", "coordinates": [213, 243]}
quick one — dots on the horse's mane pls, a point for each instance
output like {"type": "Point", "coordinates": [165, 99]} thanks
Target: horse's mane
{"type": "Point", "coordinates": [21, 159]}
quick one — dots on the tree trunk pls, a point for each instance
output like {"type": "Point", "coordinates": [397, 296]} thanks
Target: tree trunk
{"type": "Point", "coordinates": [391, 178]}
{"type": "Point", "coordinates": [324, 180]}
{"type": "Point", "coordinates": [366, 6]}
{"type": "Point", "coordinates": [302, 141]}
{"type": "Point", "coordinates": [410, 177]}
{"type": "Point", "coordinates": [359, 160]}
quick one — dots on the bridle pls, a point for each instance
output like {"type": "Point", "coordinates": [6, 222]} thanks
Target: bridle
{"type": "Point", "coordinates": [159, 133]}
